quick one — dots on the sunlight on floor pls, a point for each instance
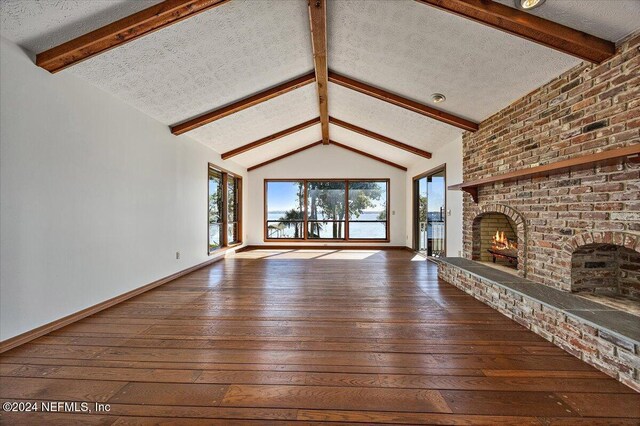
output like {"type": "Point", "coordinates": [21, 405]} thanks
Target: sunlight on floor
{"type": "Point", "coordinates": [350, 255]}
{"type": "Point", "coordinates": [418, 258]}
{"type": "Point", "coordinates": [260, 254]}
{"type": "Point", "coordinates": [303, 254]}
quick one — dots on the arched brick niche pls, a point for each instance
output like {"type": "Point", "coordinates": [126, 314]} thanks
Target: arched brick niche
{"type": "Point", "coordinates": [605, 263]}
{"type": "Point", "coordinates": [492, 217]}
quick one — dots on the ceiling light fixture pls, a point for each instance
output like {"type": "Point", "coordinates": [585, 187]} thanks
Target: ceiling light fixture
{"type": "Point", "coordinates": [528, 4]}
{"type": "Point", "coordinates": [437, 98]}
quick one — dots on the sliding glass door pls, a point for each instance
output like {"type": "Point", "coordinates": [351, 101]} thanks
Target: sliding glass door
{"type": "Point", "coordinates": [429, 204]}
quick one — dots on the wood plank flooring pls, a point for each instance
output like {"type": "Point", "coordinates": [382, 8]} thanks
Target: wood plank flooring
{"type": "Point", "coordinates": [309, 337]}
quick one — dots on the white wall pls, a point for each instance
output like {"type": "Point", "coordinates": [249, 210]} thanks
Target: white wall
{"type": "Point", "coordinates": [325, 162]}
{"type": "Point", "coordinates": [96, 197]}
{"type": "Point", "coordinates": [450, 154]}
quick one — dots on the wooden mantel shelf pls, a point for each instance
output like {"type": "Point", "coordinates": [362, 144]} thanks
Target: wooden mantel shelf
{"type": "Point", "coordinates": [578, 163]}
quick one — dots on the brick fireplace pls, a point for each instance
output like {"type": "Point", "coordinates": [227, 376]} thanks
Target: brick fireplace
{"type": "Point", "coordinates": [499, 218]}
{"type": "Point", "coordinates": [577, 229]}
{"type": "Point", "coordinates": [588, 109]}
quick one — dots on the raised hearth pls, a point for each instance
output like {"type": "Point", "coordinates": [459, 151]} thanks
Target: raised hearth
{"type": "Point", "coordinates": [605, 337]}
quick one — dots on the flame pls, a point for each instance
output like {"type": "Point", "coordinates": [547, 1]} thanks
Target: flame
{"type": "Point", "coordinates": [501, 242]}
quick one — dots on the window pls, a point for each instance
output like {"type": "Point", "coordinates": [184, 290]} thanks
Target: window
{"type": "Point", "coordinates": [326, 209]}
{"type": "Point", "coordinates": [329, 209]}
{"type": "Point", "coordinates": [285, 207]}
{"type": "Point", "coordinates": [367, 210]}
{"type": "Point", "coordinates": [225, 213]}
{"type": "Point", "coordinates": [233, 210]}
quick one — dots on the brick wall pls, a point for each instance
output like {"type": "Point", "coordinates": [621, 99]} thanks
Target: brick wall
{"type": "Point", "coordinates": [588, 109]}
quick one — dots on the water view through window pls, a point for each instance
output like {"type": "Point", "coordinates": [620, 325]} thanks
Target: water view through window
{"type": "Point", "coordinates": [225, 209]}
{"type": "Point", "coordinates": [429, 213]}
{"type": "Point", "coordinates": [327, 209]}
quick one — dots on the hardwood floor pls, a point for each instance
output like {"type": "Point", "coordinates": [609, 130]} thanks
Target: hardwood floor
{"type": "Point", "coordinates": [310, 336]}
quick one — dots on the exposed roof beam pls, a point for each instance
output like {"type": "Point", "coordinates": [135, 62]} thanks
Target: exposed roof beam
{"type": "Point", "coordinates": [379, 137]}
{"type": "Point", "coordinates": [397, 100]}
{"type": "Point", "coordinates": [280, 157]}
{"type": "Point", "coordinates": [304, 148]}
{"type": "Point", "coordinates": [318, 23]}
{"type": "Point", "coordinates": [270, 138]}
{"type": "Point", "coordinates": [122, 31]}
{"type": "Point", "coordinates": [366, 154]}
{"type": "Point", "coordinates": [530, 27]}
{"type": "Point", "coordinates": [245, 103]}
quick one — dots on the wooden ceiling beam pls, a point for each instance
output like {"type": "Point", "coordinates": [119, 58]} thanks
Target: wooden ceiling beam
{"type": "Point", "coordinates": [318, 24]}
{"type": "Point", "coordinates": [270, 138]}
{"type": "Point", "coordinates": [121, 31]}
{"type": "Point", "coordinates": [530, 27]}
{"type": "Point", "coordinates": [402, 102]}
{"type": "Point", "coordinates": [366, 154]}
{"type": "Point", "coordinates": [245, 103]}
{"type": "Point", "coordinates": [280, 157]}
{"type": "Point", "coordinates": [379, 137]}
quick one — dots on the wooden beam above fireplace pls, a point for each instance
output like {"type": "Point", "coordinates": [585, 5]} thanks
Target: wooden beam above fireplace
{"type": "Point", "coordinates": [586, 161]}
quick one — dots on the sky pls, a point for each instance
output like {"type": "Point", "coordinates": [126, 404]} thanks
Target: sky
{"type": "Point", "coordinates": [435, 193]}
{"type": "Point", "coordinates": [281, 196]}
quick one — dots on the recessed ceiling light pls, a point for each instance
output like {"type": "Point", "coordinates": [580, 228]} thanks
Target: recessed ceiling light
{"type": "Point", "coordinates": [528, 4]}
{"type": "Point", "coordinates": [436, 98]}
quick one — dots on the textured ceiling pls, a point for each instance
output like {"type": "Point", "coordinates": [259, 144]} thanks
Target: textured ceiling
{"type": "Point", "coordinates": [264, 119]}
{"type": "Point", "coordinates": [609, 19]}
{"type": "Point", "coordinates": [372, 146]}
{"type": "Point", "coordinates": [246, 46]}
{"type": "Point", "coordinates": [389, 120]}
{"type": "Point", "coordinates": [39, 25]}
{"type": "Point", "coordinates": [415, 50]}
{"type": "Point", "coordinates": [207, 61]}
{"type": "Point", "coordinates": [280, 146]}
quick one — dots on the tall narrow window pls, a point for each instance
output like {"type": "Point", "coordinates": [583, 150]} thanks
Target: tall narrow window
{"type": "Point", "coordinates": [284, 209]}
{"type": "Point", "coordinates": [326, 209]}
{"type": "Point", "coordinates": [331, 209]}
{"type": "Point", "coordinates": [225, 209]}
{"type": "Point", "coordinates": [367, 210]}
{"type": "Point", "coordinates": [233, 209]}
{"type": "Point", "coordinates": [216, 202]}
{"type": "Point", "coordinates": [429, 212]}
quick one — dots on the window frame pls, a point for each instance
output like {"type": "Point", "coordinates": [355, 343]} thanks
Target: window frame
{"type": "Point", "coordinates": [306, 221]}
{"type": "Point", "coordinates": [224, 243]}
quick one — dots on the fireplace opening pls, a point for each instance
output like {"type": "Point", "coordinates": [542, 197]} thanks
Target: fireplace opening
{"type": "Point", "coordinates": [607, 272]}
{"type": "Point", "coordinates": [496, 241]}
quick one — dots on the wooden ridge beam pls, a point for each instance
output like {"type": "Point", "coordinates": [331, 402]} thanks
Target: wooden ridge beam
{"type": "Point", "coordinates": [280, 157]}
{"type": "Point", "coordinates": [245, 103]}
{"type": "Point", "coordinates": [402, 102]}
{"type": "Point", "coordinates": [318, 24]}
{"type": "Point", "coordinates": [121, 31]}
{"type": "Point", "coordinates": [530, 27]}
{"type": "Point", "coordinates": [366, 154]}
{"type": "Point", "coordinates": [379, 137]}
{"type": "Point", "coordinates": [270, 138]}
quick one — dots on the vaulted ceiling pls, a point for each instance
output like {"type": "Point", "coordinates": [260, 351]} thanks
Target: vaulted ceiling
{"type": "Point", "coordinates": [243, 47]}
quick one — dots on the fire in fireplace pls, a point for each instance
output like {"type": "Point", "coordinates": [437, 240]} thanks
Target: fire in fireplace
{"type": "Point", "coordinates": [495, 241]}
{"type": "Point", "coordinates": [503, 248]}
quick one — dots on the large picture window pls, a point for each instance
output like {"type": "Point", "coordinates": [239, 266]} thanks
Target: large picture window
{"type": "Point", "coordinates": [327, 209]}
{"type": "Point", "coordinates": [225, 213]}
